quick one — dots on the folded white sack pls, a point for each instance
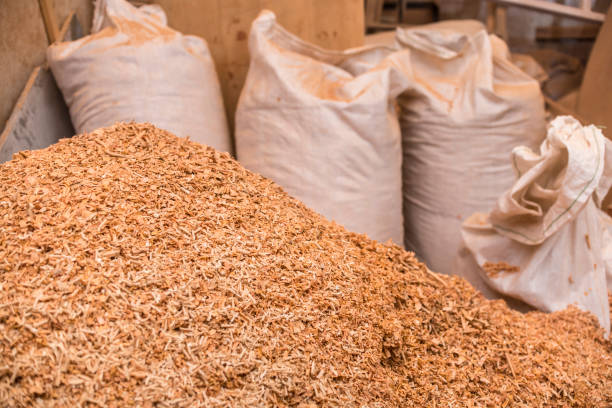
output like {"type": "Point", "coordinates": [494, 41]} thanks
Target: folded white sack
{"type": "Point", "coordinates": [547, 241]}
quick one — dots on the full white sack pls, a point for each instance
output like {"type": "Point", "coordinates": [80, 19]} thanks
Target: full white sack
{"type": "Point", "coordinates": [134, 68]}
{"type": "Point", "coordinates": [467, 108]}
{"type": "Point", "coordinates": [547, 235]}
{"type": "Point", "coordinates": [323, 125]}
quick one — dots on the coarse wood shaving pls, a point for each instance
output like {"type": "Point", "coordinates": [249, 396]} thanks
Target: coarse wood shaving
{"type": "Point", "coordinates": [495, 269]}
{"type": "Point", "coordinates": [140, 269]}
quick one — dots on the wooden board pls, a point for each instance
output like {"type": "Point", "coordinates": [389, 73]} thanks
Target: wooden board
{"type": "Point", "coordinates": [71, 29]}
{"type": "Point", "coordinates": [48, 16]}
{"type": "Point", "coordinates": [82, 8]}
{"type": "Point", "coordinates": [40, 117]}
{"type": "Point", "coordinates": [553, 8]}
{"type": "Point", "coordinates": [555, 33]}
{"type": "Point", "coordinates": [225, 25]}
{"type": "Point", "coordinates": [23, 43]}
{"type": "Point", "coordinates": [595, 96]}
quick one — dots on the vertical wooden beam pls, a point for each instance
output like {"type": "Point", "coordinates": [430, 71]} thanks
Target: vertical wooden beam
{"type": "Point", "coordinates": [585, 5]}
{"type": "Point", "coordinates": [49, 18]}
{"type": "Point", "coordinates": [501, 27]}
{"type": "Point", "coordinates": [491, 17]}
{"type": "Point", "coordinates": [595, 95]}
{"type": "Point", "coordinates": [373, 12]}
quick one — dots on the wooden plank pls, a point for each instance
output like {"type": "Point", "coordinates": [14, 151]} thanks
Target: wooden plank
{"type": "Point", "coordinates": [373, 12]}
{"type": "Point", "coordinates": [582, 32]}
{"type": "Point", "coordinates": [82, 8]}
{"type": "Point", "coordinates": [501, 22]}
{"type": "Point", "coordinates": [554, 8]}
{"type": "Point", "coordinates": [48, 15]}
{"type": "Point", "coordinates": [595, 95]}
{"type": "Point", "coordinates": [71, 29]}
{"type": "Point", "coordinates": [40, 117]}
{"type": "Point", "coordinates": [225, 25]}
{"type": "Point", "coordinates": [490, 19]}
{"type": "Point", "coordinates": [23, 42]}
{"type": "Point", "coordinates": [585, 4]}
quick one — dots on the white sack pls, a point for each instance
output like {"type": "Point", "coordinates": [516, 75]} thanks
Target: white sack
{"type": "Point", "coordinates": [468, 107]}
{"type": "Point", "coordinates": [546, 241]}
{"type": "Point", "coordinates": [134, 68]}
{"type": "Point", "coordinates": [323, 125]}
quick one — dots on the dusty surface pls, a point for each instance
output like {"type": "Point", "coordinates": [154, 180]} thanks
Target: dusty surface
{"type": "Point", "coordinates": [138, 268]}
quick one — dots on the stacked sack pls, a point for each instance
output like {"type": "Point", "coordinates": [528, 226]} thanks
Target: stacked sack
{"type": "Point", "coordinates": [323, 124]}
{"type": "Point", "coordinates": [468, 106]}
{"type": "Point", "coordinates": [134, 68]}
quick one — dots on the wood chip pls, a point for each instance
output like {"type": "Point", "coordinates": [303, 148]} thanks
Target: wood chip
{"type": "Point", "coordinates": [494, 269]}
{"type": "Point", "coordinates": [148, 270]}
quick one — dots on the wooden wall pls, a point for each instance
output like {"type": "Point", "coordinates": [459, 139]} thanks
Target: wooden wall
{"type": "Point", "coordinates": [23, 43]}
{"type": "Point", "coordinates": [225, 25]}
{"type": "Point", "coordinates": [595, 95]}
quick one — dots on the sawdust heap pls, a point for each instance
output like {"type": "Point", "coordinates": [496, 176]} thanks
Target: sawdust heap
{"type": "Point", "coordinates": [139, 268]}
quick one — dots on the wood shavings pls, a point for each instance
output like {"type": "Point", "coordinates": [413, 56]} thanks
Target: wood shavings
{"type": "Point", "coordinates": [494, 269]}
{"type": "Point", "coordinates": [167, 275]}
{"type": "Point", "coordinates": [588, 240]}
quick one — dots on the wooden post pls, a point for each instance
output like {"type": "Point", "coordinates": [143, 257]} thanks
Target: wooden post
{"type": "Point", "coordinates": [586, 5]}
{"type": "Point", "coordinates": [595, 96]}
{"type": "Point", "coordinates": [49, 19]}
{"type": "Point", "coordinates": [491, 17]}
{"type": "Point", "coordinates": [373, 12]}
{"type": "Point", "coordinates": [501, 27]}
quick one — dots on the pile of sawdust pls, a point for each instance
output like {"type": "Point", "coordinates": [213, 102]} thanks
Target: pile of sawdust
{"type": "Point", "coordinates": [142, 269]}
